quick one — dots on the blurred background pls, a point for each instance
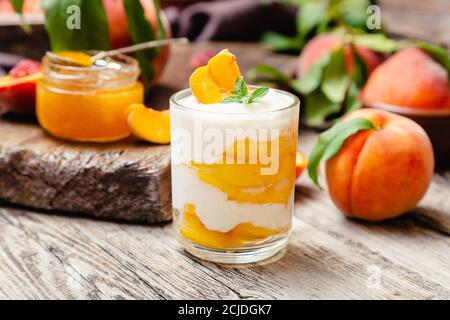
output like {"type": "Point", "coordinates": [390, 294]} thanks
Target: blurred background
{"type": "Point", "coordinates": [277, 43]}
{"type": "Point", "coordinates": [271, 21]}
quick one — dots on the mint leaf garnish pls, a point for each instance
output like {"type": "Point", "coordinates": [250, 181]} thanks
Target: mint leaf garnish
{"type": "Point", "coordinates": [232, 99]}
{"type": "Point", "coordinates": [241, 94]}
{"type": "Point", "coordinates": [258, 94]}
{"type": "Point", "coordinates": [331, 141]}
{"type": "Point", "coordinates": [240, 88]}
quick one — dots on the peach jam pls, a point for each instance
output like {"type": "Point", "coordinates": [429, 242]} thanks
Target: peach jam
{"type": "Point", "coordinates": [88, 103]}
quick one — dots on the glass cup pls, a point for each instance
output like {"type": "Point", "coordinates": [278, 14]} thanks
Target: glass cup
{"type": "Point", "coordinates": [233, 177]}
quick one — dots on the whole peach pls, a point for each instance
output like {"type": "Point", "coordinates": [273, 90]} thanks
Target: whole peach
{"type": "Point", "coordinates": [383, 173]}
{"type": "Point", "coordinates": [120, 37]}
{"type": "Point", "coordinates": [320, 45]}
{"type": "Point", "coordinates": [410, 78]}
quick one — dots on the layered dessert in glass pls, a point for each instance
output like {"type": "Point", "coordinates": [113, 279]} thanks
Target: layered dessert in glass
{"type": "Point", "coordinates": [233, 174]}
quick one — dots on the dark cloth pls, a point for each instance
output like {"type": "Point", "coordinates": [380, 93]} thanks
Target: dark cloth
{"type": "Point", "coordinates": [237, 20]}
{"type": "Point", "coordinates": [7, 61]}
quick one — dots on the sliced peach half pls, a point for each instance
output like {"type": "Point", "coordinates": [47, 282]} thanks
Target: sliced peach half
{"type": "Point", "coordinates": [224, 70]}
{"type": "Point", "coordinates": [18, 88]}
{"type": "Point", "coordinates": [211, 83]}
{"type": "Point", "coordinates": [300, 164]}
{"type": "Point", "coordinates": [203, 87]}
{"type": "Point", "coordinates": [149, 124]}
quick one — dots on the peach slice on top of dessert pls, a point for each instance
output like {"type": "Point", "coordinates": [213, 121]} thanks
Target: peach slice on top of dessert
{"type": "Point", "coordinates": [18, 88]}
{"type": "Point", "coordinates": [224, 70]}
{"type": "Point", "coordinates": [203, 87]}
{"type": "Point", "coordinates": [211, 83]}
{"type": "Point", "coordinates": [149, 124]}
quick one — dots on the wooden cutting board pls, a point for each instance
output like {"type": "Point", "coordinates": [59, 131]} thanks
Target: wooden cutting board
{"type": "Point", "coordinates": [127, 180]}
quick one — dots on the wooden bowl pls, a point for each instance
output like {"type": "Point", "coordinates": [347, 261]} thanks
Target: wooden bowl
{"type": "Point", "coordinates": [436, 123]}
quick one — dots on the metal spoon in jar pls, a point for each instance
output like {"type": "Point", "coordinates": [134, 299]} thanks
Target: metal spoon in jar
{"type": "Point", "coordinates": [83, 59]}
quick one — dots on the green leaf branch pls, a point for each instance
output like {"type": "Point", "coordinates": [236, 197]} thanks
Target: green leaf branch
{"type": "Point", "coordinates": [325, 86]}
{"type": "Point", "coordinates": [18, 6]}
{"type": "Point", "coordinates": [317, 16]}
{"type": "Point", "coordinates": [94, 32]}
{"type": "Point", "coordinates": [331, 141]}
{"type": "Point", "coordinates": [141, 31]}
{"type": "Point", "coordinates": [328, 89]}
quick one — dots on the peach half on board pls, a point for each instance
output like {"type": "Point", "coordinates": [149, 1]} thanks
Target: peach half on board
{"type": "Point", "coordinates": [18, 88]}
{"type": "Point", "coordinates": [378, 164]}
{"type": "Point", "coordinates": [148, 124]}
{"type": "Point", "coordinates": [211, 83]}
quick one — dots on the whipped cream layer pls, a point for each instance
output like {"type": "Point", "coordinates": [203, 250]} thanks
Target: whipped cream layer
{"type": "Point", "coordinates": [218, 213]}
{"type": "Point", "coordinates": [202, 122]}
{"type": "Point", "coordinates": [274, 100]}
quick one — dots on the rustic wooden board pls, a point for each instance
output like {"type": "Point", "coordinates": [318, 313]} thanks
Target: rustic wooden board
{"type": "Point", "coordinates": [128, 180]}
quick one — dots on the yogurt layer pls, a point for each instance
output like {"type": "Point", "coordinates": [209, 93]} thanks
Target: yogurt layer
{"type": "Point", "coordinates": [218, 213]}
{"type": "Point", "coordinates": [194, 124]}
{"type": "Point", "coordinates": [274, 100]}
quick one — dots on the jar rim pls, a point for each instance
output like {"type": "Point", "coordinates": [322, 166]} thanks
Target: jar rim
{"type": "Point", "coordinates": [130, 61]}
{"type": "Point", "coordinates": [126, 71]}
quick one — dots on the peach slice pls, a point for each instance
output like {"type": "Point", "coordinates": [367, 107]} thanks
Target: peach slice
{"type": "Point", "coordinates": [300, 164]}
{"type": "Point", "coordinates": [211, 83]}
{"type": "Point", "coordinates": [194, 230]}
{"type": "Point", "coordinates": [149, 124]}
{"type": "Point", "coordinates": [203, 87]}
{"type": "Point", "coordinates": [224, 70]}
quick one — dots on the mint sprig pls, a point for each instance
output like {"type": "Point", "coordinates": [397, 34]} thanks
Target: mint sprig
{"type": "Point", "coordinates": [241, 94]}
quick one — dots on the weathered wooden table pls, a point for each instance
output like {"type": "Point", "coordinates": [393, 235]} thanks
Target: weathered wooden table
{"type": "Point", "coordinates": [49, 255]}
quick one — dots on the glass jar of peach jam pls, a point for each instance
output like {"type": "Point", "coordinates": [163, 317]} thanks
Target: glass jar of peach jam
{"type": "Point", "coordinates": [88, 103]}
